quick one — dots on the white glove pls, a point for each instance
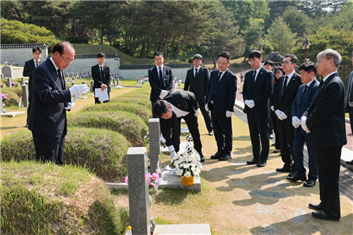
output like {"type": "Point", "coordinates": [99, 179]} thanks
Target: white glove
{"type": "Point", "coordinates": [163, 94]}
{"type": "Point", "coordinates": [295, 122]}
{"type": "Point", "coordinates": [304, 126]}
{"type": "Point", "coordinates": [228, 114]}
{"type": "Point", "coordinates": [197, 112]}
{"type": "Point", "coordinates": [272, 108]}
{"type": "Point", "coordinates": [171, 151]}
{"type": "Point", "coordinates": [278, 113]}
{"type": "Point", "coordinates": [70, 105]}
{"type": "Point", "coordinates": [79, 89]}
{"type": "Point", "coordinates": [162, 139]}
{"type": "Point", "coordinates": [284, 116]}
{"type": "Point", "coordinates": [206, 107]}
{"type": "Point", "coordinates": [250, 103]}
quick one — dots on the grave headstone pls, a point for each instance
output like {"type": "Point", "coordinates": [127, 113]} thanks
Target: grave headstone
{"type": "Point", "coordinates": [9, 82]}
{"type": "Point", "coordinates": [23, 81]}
{"type": "Point", "coordinates": [25, 95]}
{"type": "Point", "coordinates": [154, 143]}
{"type": "Point", "coordinates": [113, 83]}
{"type": "Point", "coordinates": [138, 191]}
{"type": "Point", "coordinates": [92, 82]}
{"type": "Point", "coordinates": [1, 106]}
{"type": "Point", "coordinates": [2, 76]}
{"type": "Point", "coordinates": [6, 71]}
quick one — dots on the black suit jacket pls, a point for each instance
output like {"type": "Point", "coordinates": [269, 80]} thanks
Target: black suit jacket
{"type": "Point", "coordinates": [156, 85]}
{"type": "Point", "coordinates": [259, 91]}
{"type": "Point", "coordinates": [48, 115]}
{"type": "Point", "coordinates": [222, 93]}
{"type": "Point", "coordinates": [98, 81]}
{"type": "Point", "coordinates": [283, 101]}
{"type": "Point", "coordinates": [302, 102]}
{"type": "Point", "coordinates": [198, 85]}
{"type": "Point", "coordinates": [326, 114]}
{"type": "Point", "coordinates": [29, 68]}
{"type": "Point", "coordinates": [349, 93]}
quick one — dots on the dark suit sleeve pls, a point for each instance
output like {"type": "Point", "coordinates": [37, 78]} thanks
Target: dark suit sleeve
{"type": "Point", "coordinates": [95, 76]}
{"type": "Point", "coordinates": [187, 81]}
{"type": "Point", "coordinates": [245, 87]}
{"type": "Point", "coordinates": [325, 105]}
{"type": "Point", "coordinates": [27, 71]}
{"type": "Point", "coordinates": [166, 131]}
{"type": "Point", "coordinates": [191, 98]}
{"type": "Point", "coordinates": [155, 88]}
{"type": "Point", "coordinates": [45, 91]}
{"type": "Point", "coordinates": [232, 89]}
{"type": "Point", "coordinates": [295, 103]}
{"type": "Point", "coordinates": [268, 90]}
{"type": "Point", "coordinates": [170, 85]}
{"type": "Point", "coordinates": [207, 79]}
{"type": "Point", "coordinates": [109, 77]}
{"type": "Point", "coordinates": [277, 92]}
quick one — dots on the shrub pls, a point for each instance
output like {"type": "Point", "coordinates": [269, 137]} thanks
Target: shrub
{"type": "Point", "coordinates": [127, 124]}
{"type": "Point", "coordinates": [48, 199]}
{"type": "Point", "coordinates": [137, 109]}
{"type": "Point", "coordinates": [13, 98]}
{"type": "Point", "coordinates": [101, 151]}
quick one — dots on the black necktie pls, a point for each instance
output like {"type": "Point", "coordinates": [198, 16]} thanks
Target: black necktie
{"type": "Point", "coordinates": [37, 64]}
{"type": "Point", "coordinates": [195, 72]}
{"type": "Point", "coordinates": [161, 75]}
{"type": "Point", "coordinates": [219, 76]}
{"type": "Point", "coordinates": [305, 88]}
{"type": "Point", "coordinates": [60, 79]}
{"type": "Point", "coordinates": [254, 75]}
{"type": "Point", "coordinates": [101, 72]}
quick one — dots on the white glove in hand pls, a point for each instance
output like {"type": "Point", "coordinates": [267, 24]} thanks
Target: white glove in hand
{"type": "Point", "coordinates": [206, 107]}
{"type": "Point", "coordinates": [284, 116]}
{"type": "Point", "coordinates": [162, 139]}
{"type": "Point", "coordinates": [70, 105]}
{"type": "Point", "coordinates": [303, 123]}
{"type": "Point", "coordinates": [295, 122]}
{"type": "Point", "coordinates": [171, 151]}
{"type": "Point", "coordinates": [228, 114]}
{"type": "Point", "coordinates": [79, 89]}
{"type": "Point", "coordinates": [272, 108]}
{"type": "Point", "coordinates": [172, 155]}
{"type": "Point", "coordinates": [163, 94]}
{"type": "Point", "coordinates": [250, 103]}
{"type": "Point", "coordinates": [278, 113]}
{"type": "Point", "coordinates": [197, 112]}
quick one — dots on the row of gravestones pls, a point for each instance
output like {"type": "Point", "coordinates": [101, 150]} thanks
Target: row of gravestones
{"type": "Point", "coordinates": [11, 63]}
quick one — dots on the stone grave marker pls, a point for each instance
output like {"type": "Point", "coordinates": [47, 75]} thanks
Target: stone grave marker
{"type": "Point", "coordinates": [92, 89]}
{"type": "Point", "coordinates": [138, 191]}
{"type": "Point", "coordinates": [154, 143]}
{"type": "Point", "coordinates": [25, 95]}
{"type": "Point", "coordinates": [9, 81]}
{"type": "Point", "coordinates": [23, 81]}
{"type": "Point", "coordinates": [1, 106]}
{"type": "Point", "coordinates": [2, 76]}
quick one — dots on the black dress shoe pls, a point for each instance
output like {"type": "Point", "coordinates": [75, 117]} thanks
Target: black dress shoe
{"type": "Point", "coordinates": [202, 158]}
{"type": "Point", "coordinates": [291, 174]}
{"type": "Point", "coordinates": [349, 162]}
{"type": "Point", "coordinates": [253, 161]}
{"type": "Point", "coordinates": [317, 207]}
{"type": "Point", "coordinates": [225, 157]}
{"type": "Point", "coordinates": [284, 169]}
{"type": "Point", "coordinates": [309, 183]}
{"type": "Point", "coordinates": [276, 151]}
{"type": "Point", "coordinates": [216, 155]}
{"type": "Point", "coordinates": [261, 164]}
{"type": "Point", "coordinates": [297, 177]}
{"type": "Point", "coordinates": [324, 216]}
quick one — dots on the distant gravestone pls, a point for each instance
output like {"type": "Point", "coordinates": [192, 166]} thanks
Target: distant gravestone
{"type": "Point", "coordinates": [138, 191]}
{"type": "Point", "coordinates": [25, 95]}
{"type": "Point", "coordinates": [9, 82]}
{"type": "Point", "coordinates": [1, 106]}
{"type": "Point", "coordinates": [92, 82]}
{"type": "Point", "coordinates": [154, 143]}
{"type": "Point", "coordinates": [23, 81]}
{"type": "Point", "coordinates": [6, 71]}
{"type": "Point", "coordinates": [2, 76]}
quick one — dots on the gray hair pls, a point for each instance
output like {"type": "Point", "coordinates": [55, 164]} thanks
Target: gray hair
{"type": "Point", "coordinates": [331, 54]}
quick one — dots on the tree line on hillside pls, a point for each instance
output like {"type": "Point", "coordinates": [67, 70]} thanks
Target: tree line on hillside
{"type": "Point", "coordinates": [139, 28]}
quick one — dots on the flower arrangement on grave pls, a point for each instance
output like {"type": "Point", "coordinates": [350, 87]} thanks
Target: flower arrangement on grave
{"type": "Point", "coordinates": [175, 88]}
{"type": "Point", "coordinates": [4, 96]}
{"type": "Point", "coordinates": [153, 180]}
{"type": "Point", "coordinates": [162, 140]}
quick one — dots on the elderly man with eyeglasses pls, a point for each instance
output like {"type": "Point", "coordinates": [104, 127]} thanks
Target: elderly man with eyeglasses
{"type": "Point", "coordinates": [220, 100]}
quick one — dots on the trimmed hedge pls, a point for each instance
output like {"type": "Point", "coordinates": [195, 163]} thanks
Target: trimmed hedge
{"type": "Point", "coordinates": [137, 109]}
{"type": "Point", "coordinates": [101, 151]}
{"type": "Point", "coordinates": [48, 199]}
{"type": "Point", "coordinates": [127, 124]}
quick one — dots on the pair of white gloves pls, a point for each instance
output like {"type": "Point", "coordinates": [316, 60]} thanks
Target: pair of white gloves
{"type": "Point", "coordinates": [296, 122]}
{"type": "Point", "coordinates": [77, 90]}
{"type": "Point", "coordinates": [163, 94]}
{"type": "Point", "coordinates": [228, 113]}
{"type": "Point", "coordinates": [250, 103]}
{"type": "Point", "coordinates": [281, 115]}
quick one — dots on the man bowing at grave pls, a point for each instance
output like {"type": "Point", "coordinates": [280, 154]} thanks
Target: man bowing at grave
{"type": "Point", "coordinates": [170, 110]}
{"type": "Point", "coordinates": [51, 99]}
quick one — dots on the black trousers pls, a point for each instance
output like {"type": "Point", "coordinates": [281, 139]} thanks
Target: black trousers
{"type": "Point", "coordinates": [152, 104]}
{"type": "Point", "coordinates": [286, 134]}
{"type": "Point", "coordinates": [206, 115]}
{"type": "Point", "coordinates": [222, 127]}
{"type": "Point", "coordinates": [30, 94]}
{"type": "Point", "coordinates": [328, 166]}
{"type": "Point", "coordinates": [49, 148]}
{"type": "Point", "coordinates": [350, 109]}
{"type": "Point", "coordinates": [258, 128]}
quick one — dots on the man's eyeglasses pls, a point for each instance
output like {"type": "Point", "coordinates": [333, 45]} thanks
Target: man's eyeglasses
{"type": "Point", "coordinates": [66, 62]}
{"type": "Point", "coordinates": [222, 63]}
{"type": "Point", "coordinates": [285, 62]}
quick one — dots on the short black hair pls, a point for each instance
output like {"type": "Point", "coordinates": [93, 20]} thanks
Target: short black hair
{"type": "Point", "coordinates": [158, 53]}
{"type": "Point", "coordinates": [160, 108]}
{"type": "Point", "coordinates": [197, 56]}
{"type": "Point", "coordinates": [225, 54]}
{"type": "Point", "coordinates": [308, 67]}
{"type": "Point", "coordinates": [255, 54]}
{"type": "Point", "coordinates": [293, 58]}
{"type": "Point", "coordinates": [34, 49]}
{"type": "Point", "coordinates": [100, 55]}
{"type": "Point", "coordinates": [60, 47]}
{"type": "Point", "coordinates": [270, 62]}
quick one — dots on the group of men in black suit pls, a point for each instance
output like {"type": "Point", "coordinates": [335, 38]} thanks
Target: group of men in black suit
{"type": "Point", "coordinates": [307, 112]}
{"type": "Point", "coordinates": [216, 94]}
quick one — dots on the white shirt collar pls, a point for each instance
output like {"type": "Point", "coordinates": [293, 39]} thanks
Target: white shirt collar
{"type": "Point", "coordinates": [198, 68]}
{"type": "Point", "coordinates": [328, 75]}
{"type": "Point", "coordinates": [178, 112]}
{"type": "Point", "coordinates": [56, 67]}
{"type": "Point", "coordinates": [36, 60]}
{"type": "Point", "coordinates": [310, 82]}
{"type": "Point", "coordinates": [290, 75]}
{"type": "Point", "coordinates": [160, 66]}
